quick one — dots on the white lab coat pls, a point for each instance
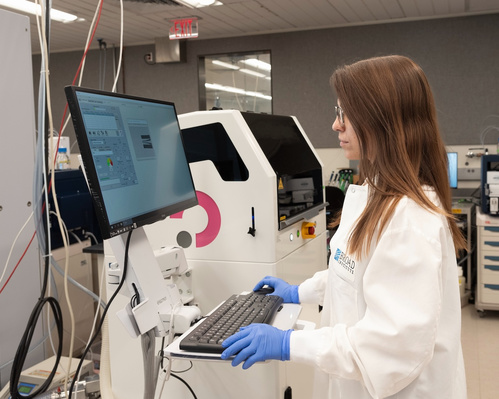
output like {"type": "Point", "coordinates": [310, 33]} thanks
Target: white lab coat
{"type": "Point", "coordinates": [391, 322]}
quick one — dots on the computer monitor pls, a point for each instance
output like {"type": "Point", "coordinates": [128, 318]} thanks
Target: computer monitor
{"type": "Point", "coordinates": [452, 168]}
{"type": "Point", "coordinates": [133, 156]}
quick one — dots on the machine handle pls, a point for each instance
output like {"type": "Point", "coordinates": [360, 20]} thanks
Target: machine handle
{"type": "Point", "coordinates": [494, 287]}
{"type": "Point", "coordinates": [492, 243]}
{"type": "Point", "coordinates": [308, 214]}
{"type": "Point", "coordinates": [492, 228]}
{"type": "Point", "coordinates": [490, 257]}
{"type": "Point", "coordinates": [491, 267]}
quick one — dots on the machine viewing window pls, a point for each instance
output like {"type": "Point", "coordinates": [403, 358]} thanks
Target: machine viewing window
{"type": "Point", "coordinates": [299, 173]}
{"type": "Point", "coordinates": [240, 81]}
{"type": "Point", "coordinates": [211, 142]}
{"type": "Point", "coordinates": [134, 158]}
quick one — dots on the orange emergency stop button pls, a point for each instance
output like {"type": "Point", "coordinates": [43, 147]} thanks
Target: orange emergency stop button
{"type": "Point", "coordinates": [308, 230]}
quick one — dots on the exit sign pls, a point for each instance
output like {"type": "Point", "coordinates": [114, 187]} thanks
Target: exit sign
{"type": "Point", "coordinates": [184, 28]}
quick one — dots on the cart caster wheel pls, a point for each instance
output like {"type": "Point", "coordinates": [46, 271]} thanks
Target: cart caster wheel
{"type": "Point", "coordinates": [481, 313]}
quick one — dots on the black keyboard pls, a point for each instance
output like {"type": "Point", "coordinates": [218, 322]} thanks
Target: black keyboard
{"type": "Point", "coordinates": [237, 311]}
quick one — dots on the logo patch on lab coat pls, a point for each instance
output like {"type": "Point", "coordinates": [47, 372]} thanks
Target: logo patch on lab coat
{"type": "Point", "coordinates": [347, 265]}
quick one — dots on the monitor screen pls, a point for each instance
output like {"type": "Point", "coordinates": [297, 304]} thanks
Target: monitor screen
{"type": "Point", "coordinates": [133, 156]}
{"type": "Point", "coordinates": [452, 168]}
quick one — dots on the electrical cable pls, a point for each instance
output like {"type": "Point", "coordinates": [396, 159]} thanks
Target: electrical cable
{"type": "Point", "coordinates": [23, 348]}
{"type": "Point", "coordinates": [125, 268]}
{"type": "Point", "coordinates": [74, 235]}
{"type": "Point", "coordinates": [33, 348]}
{"type": "Point", "coordinates": [45, 37]}
{"type": "Point", "coordinates": [186, 384]}
{"type": "Point", "coordinates": [39, 343]}
{"type": "Point", "coordinates": [191, 365]}
{"type": "Point", "coordinates": [90, 293]}
{"type": "Point", "coordinates": [135, 299]}
{"type": "Point", "coordinates": [13, 245]}
{"type": "Point", "coordinates": [97, 311]}
{"type": "Point", "coordinates": [102, 63]}
{"type": "Point", "coordinates": [162, 352]}
{"type": "Point", "coordinates": [41, 162]}
{"type": "Point", "coordinates": [485, 131]}
{"type": "Point", "coordinates": [91, 235]}
{"type": "Point", "coordinates": [121, 48]}
{"type": "Point", "coordinates": [168, 370]}
{"type": "Point", "coordinates": [57, 210]}
{"type": "Point", "coordinates": [17, 264]}
{"type": "Point", "coordinates": [81, 66]}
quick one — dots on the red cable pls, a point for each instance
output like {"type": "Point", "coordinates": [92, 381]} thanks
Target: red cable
{"type": "Point", "coordinates": [78, 72]}
{"type": "Point", "coordinates": [19, 261]}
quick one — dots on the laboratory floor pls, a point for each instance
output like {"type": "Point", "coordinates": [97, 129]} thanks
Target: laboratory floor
{"type": "Point", "coordinates": [480, 341]}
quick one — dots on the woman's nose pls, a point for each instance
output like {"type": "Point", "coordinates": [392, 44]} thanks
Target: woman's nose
{"type": "Point", "coordinates": [337, 127]}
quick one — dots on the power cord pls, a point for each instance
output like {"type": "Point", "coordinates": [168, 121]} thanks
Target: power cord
{"type": "Point", "coordinates": [186, 384]}
{"type": "Point", "coordinates": [171, 372]}
{"type": "Point", "coordinates": [23, 348]}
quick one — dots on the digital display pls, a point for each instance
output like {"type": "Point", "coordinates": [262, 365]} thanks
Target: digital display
{"type": "Point", "coordinates": [134, 158]}
{"type": "Point", "coordinates": [452, 168]}
{"type": "Point", "coordinates": [25, 389]}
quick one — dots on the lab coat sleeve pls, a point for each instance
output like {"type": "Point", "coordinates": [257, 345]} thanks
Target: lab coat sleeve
{"type": "Point", "coordinates": [394, 339]}
{"type": "Point", "coordinates": [313, 289]}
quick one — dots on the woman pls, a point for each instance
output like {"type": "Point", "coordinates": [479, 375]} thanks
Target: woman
{"type": "Point", "coordinates": [392, 315]}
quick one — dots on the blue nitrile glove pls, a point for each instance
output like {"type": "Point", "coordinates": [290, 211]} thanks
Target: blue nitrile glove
{"type": "Point", "coordinates": [257, 343]}
{"type": "Point", "coordinates": [289, 293]}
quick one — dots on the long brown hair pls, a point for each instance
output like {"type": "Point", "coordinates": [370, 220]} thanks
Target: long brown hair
{"type": "Point", "coordinates": [389, 103]}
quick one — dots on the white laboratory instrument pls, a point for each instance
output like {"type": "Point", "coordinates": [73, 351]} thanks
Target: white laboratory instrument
{"type": "Point", "coordinates": [487, 286]}
{"type": "Point", "coordinates": [17, 124]}
{"type": "Point", "coordinates": [248, 169]}
{"type": "Point", "coordinates": [490, 184]}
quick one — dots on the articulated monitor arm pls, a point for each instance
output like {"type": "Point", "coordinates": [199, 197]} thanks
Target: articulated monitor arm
{"type": "Point", "coordinates": [156, 303]}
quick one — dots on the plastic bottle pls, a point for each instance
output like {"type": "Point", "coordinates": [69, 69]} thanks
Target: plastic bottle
{"type": "Point", "coordinates": [62, 159]}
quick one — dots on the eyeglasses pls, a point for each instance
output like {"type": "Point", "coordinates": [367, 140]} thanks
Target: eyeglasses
{"type": "Point", "coordinates": [339, 114]}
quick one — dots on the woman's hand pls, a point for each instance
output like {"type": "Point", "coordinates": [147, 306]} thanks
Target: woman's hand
{"type": "Point", "coordinates": [289, 293]}
{"type": "Point", "coordinates": [257, 343]}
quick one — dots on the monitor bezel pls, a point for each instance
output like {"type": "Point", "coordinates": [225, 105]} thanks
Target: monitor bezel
{"type": "Point", "coordinates": [107, 229]}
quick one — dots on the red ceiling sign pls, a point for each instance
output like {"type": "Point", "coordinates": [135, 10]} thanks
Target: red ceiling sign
{"type": "Point", "coordinates": [184, 28]}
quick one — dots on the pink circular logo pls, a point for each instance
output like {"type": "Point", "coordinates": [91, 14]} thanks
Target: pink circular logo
{"type": "Point", "coordinates": [208, 235]}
